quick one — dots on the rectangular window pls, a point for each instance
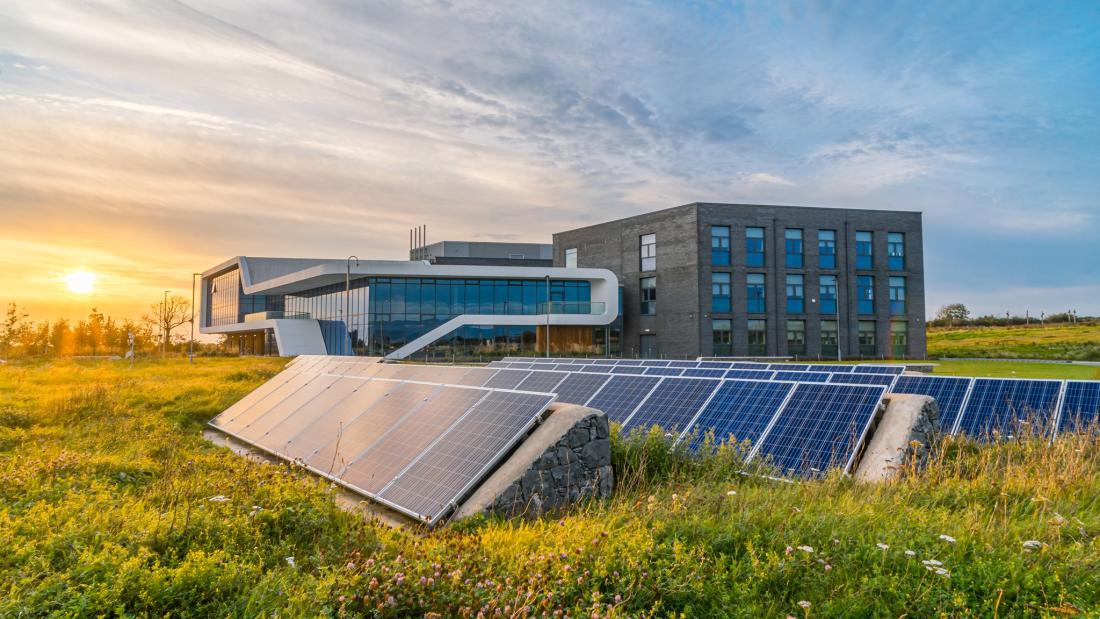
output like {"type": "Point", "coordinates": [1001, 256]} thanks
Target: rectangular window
{"type": "Point", "coordinates": [648, 287]}
{"type": "Point", "coordinates": [830, 338]}
{"type": "Point", "coordinates": [899, 339]}
{"type": "Point", "coordinates": [796, 337]}
{"type": "Point", "coordinates": [865, 293]}
{"type": "Point", "coordinates": [895, 251]}
{"type": "Point", "coordinates": [867, 347]}
{"type": "Point", "coordinates": [865, 250]}
{"type": "Point", "coordinates": [755, 293]}
{"type": "Point", "coordinates": [754, 247]}
{"type": "Point", "coordinates": [758, 338]}
{"type": "Point", "coordinates": [720, 246]}
{"type": "Point", "coordinates": [897, 296]}
{"type": "Point", "coordinates": [723, 339]}
{"type": "Point", "coordinates": [571, 258]}
{"type": "Point", "coordinates": [796, 303]}
{"type": "Point", "coordinates": [720, 292]}
{"type": "Point", "coordinates": [649, 252]}
{"type": "Point", "coordinates": [827, 292]}
{"type": "Point", "coordinates": [826, 249]}
{"type": "Point", "coordinates": [792, 239]}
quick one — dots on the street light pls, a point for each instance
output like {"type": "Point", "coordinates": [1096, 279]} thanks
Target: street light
{"type": "Point", "coordinates": [347, 299]}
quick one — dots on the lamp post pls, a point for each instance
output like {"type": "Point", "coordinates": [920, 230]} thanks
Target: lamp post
{"type": "Point", "coordinates": [347, 298]}
{"type": "Point", "coordinates": [191, 346]}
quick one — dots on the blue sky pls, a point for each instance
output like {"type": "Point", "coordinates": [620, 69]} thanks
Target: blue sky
{"type": "Point", "coordinates": [145, 140]}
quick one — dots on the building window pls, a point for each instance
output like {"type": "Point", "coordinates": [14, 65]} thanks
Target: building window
{"type": "Point", "coordinates": [897, 296]}
{"type": "Point", "coordinates": [754, 247]}
{"type": "Point", "coordinates": [720, 292]}
{"type": "Point", "coordinates": [756, 295]}
{"type": "Point", "coordinates": [830, 339]}
{"type": "Point", "coordinates": [827, 292]}
{"type": "Point", "coordinates": [865, 292]}
{"type": "Point", "coordinates": [792, 239]}
{"type": "Point", "coordinates": [571, 258]}
{"type": "Point", "coordinates": [758, 338]}
{"type": "Point", "coordinates": [720, 246]}
{"type": "Point", "coordinates": [867, 346]}
{"type": "Point", "coordinates": [648, 287]}
{"type": "Point", "coordinates": [895, 251]}
{"type": "Point", "coordinates": [865, 250]}
{"type": "Point", "coordinates": [796, 337]}
{"type": "Point", "coordinates": [649, 252]}
{"type": "Point", "coordinates": [826, 249]}
{"type": "Point", "coordinates": [795, 295]}
{"type": "Point", "coordinates": [899, 339]}
{"type": "Point", "coordinates": [723, 339]}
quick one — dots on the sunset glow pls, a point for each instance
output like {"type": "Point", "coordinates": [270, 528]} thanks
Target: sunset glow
{"type": "Point", "coordinates": [80, 282]}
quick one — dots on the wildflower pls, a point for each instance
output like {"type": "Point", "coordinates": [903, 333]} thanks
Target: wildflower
{"type": "Point", "coordinates": [883, 547]}
{"type": "Point", "coordinates": [351, 566]}
{"type": "Point", "coordinates": [910, 553]}
{"type": "Point", "coordinates": [1033, 544]}
{"type": "Point", "coordinates": [219, 498]}
{"type": "Point", "coordinates": [290, 562]}
{"type": "Point", "coordinates": [618, 599]}
{"type": "Point", "coordinates": [943, 572]}
{"type": "Point", "coordinates": [804, 604]}
{"type": "Point", "coordinates": [342, 599]}
{"type": "Point", "coordinates": [789, 550]}
{"type": "Point", "coordinates": [731, 493]}
{"type": "Point", "coordinates": [931, 563]}
{"type": "Point", "coordinates": [1057, 520]}
{"type": "Point", "coordinates": [828, 567]}
{"type": "Point", "coordinates": [806, 549]}
{"type": "Point", "coordinates": [948, 539]}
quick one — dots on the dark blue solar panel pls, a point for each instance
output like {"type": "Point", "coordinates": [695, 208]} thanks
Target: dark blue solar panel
{"type": "Point", "coordinates": [805, 377]}
{"type": "Point", "coordinates": [664, 371]}
{"type": "Point", "coordinates": [683, 364]}
{"type": "Point", "coordinates": [830, 368]}
{"type": "Point", "coordinates": [585, 361]}
{"type": "Point", "coordinates": [697, 373]}
{"type": "Point", "coordinates": [821, 428]}
{"type": "Point", "coordinates": [879, 369]}
{"type": "Point", "coordinates": [579, 387]}
{"type": "Point", "coordinates": [655, 363]}
{"type": "Point", "coordinates": [863, 379]}
{"type": "Point", "coordinates": [598, 368]}
{"type": "Point", "coordinates": [622, 394]}
{"type": "Point", "coordinates": [949, 392]}
{"type": "Point", "coordinates": [751, 374]}
{"type": "Point", "coordinates": [1080, 407]}
{"type": "Point", "coordinates": [1010, 407]}
{"type": "Point", "coordinates": [567, 367]}
{"type": "Point", "coordinates": [543, 366]}
{"type": "Point", "coordinates": [741, 409]}
{"type": "Point", "coordinates": [520, 365]}
{"type": "Point", "coordinates": [715, 365]}
{"type": "Point", "coordinates": [629, 361]}
{"type": "Point", "coordinates": [672, 405]}
{"type": "Point", "coordinates": [542, 382]}
{"type": "Point", "coordinates": [789, 367]}
{"type": "Point", "coordinates": [507, 379]}
{"type": "Point", "coordinates": [628, 369]}
{"type": "Point", "coordinates": [746, 365]}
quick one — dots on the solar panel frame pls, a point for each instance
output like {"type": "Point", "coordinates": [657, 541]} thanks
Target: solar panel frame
{"type": "Point", "coordinates": [750, 374]}
{"type": "Point", "coordinates": [507, 379]}
{"type": "Point", "coordinates": [703, 373]}
{"type": "Point", "coordinates": [759, 400]}
{"type": "Point", "coordinates": [664, 371]}
{"type": "Point", "coordinates": [879, 369]}
{"type": "Point", "coordinates": [673, 398]}
{"type": "Point", "coordinates": [579, 387]}
{"type": "Point", "coordinates": [979, 390]}
{"type": "Point", "coordinates": [629, 369]}
{"type": "Point", "coordinates": [542, 381]}
{"type": "Point", "coordinates": [886, 380]}
{"type": "Point", "coordinates": [684, 364]}
{"type": "Point", "coordinates": [600, 368]}
{"type": "Point", "coordinates": [789, 367]}
{"type": "Point", "coordinates": [802, 376]}
{"type": "Point", "coordinates": [1080, 406]}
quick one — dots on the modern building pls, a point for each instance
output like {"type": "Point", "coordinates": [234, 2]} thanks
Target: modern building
{"type": "Point", "coordinates": [746, 280]}
{"type": "Point", "coordinates": [485, 254]}
{"type": "Point", "coordinates": [399, 309]}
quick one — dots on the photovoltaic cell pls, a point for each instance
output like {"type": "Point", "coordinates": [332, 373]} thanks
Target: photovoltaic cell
{"type": "Point", "coordinates": [602, 369]}
{"type": "Point", "coordinates": [543, 382]}
{"type": "Point", "coordinates": [664, 371]}
{"type": "Point", "coordinates": [880, 369]}
{"type": "Point", "coordinates": [628, 369]}
{"type": "Point", "coordinates": [751, 374]}
{"type": "Point", "coordinates": [829, 368]}
{"type": "Point", "coordinates": [628, 361]}
{"type": "Point", "coordinates": [507, 379]}
{"type": "Point", "coordinates": [715, 365]}
{"type": "Point", "coordinates": [655, 363]}
{"type": "Point", "coordinates": [746, 365]}
{"type": "Point", "coordinates": [864, 379]}
{"type": "Point", "coordinates": [476, 377]}
{"type": "Point", "coordinates": [683, 364]}
{"type": "Point", "coordinates": [948, 391]}
{"type": "Point", "coordinates": [804, 377]}
{"type": "Point", "coordinates": [453, 464]}
{"type": "Point", "coordinates": [672, 405]}
{"type": "Point", "coordinates": [621, 395]}
{"type": "Point", "coordinates": [1080, 406]}
{"type": "Point", "coordinates": [741, 409]}
{"type": "Point", "coordinates": [1010, 407]}
{"type": "Point", "coordinates": [820, 428]}
{"type": "Point", "coordinates": [697, 373]}
{"type": "Point", "coordinates": [789, 367]}
{"type": "Point", "coordinates": [579, 387]}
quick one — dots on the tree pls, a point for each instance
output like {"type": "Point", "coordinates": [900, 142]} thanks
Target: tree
{"type": "Point", "coordinates": [167, 315]}
{"type": "Point", "coordinates": [13, 330]}
{"type": "Point", "coordinates": [955, 312]}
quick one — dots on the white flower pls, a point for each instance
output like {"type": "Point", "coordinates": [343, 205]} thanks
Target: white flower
{"type": "Point", "coordinates": [883, 546]}
{"type": "Point", "coordinates": [910, 553]}
{"type": "Point", "coordinates": [290, 562]}
{"type": "Point", "coordinates": [1057, 520]}
{"type": "Point", "coordinates": [948, 539]}
{"type": "Point", "coordinates": [807, 549]}
{"type": "Point", "coordinates": [1033, 544]}
{"type": "Point", "coordinates": [804, 604]}
{"type": "Point", "coordinates": [731, 493]}
{"type": "Point", "coordinates": [943, 572]}
{"type": "Point", "coordinates": [218, 498]}
{"type": "Point", "coordinates": [931, 563]}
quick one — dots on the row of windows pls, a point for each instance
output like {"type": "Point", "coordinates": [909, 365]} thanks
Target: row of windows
{"type": "Point", "coordinates": [755, 246]}
{"type": "Point", "coordinates": [756, 294]}
{"type": "Point", "coordinates": [757, 331]}
{"type": "Point", "coordinates": [227, 304]}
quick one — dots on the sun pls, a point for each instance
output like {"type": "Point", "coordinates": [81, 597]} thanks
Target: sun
{"type": "Point", "coordinates": [80, 282]}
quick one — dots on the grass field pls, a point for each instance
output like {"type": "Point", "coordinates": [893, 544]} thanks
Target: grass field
{"type": "Point", "coordinates": [112, 504]}
{"type": "Point", "coordinates": [1061, 341]}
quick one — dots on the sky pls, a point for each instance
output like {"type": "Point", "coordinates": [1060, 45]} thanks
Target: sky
{"type": "Point", "coordinates": [144, 141]}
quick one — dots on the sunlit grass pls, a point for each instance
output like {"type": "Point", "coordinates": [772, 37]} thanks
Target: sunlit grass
{"type": "Point", "coordinates": [1060, 341]}
{"type": "Point", "coordinates": [111, 503]}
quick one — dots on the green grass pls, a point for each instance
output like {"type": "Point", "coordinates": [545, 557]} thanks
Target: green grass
{"type": "Point", "coordinates": [107, 508]}
{"type": "Point", "coordinates": [1079, 342]}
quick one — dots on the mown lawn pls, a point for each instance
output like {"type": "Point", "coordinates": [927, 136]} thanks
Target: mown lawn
{"type": "Point", "coordinates": [1062, 341]}
{"type": "Point", "coordinates": [112, 504]}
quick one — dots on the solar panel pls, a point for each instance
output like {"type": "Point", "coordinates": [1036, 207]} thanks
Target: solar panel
{"type": "Point", "coordinates": [683, 364]}
{"type": "Point", "coordinates": [255, 428]}
{"type": "Point", "coordinates": [805, 377]}
{"type": "Point", "coordinates": [451, 466]}
{"type": "Point", "coordinates": [584, 361]}
{"type": "Point", "coordinates": [789, 367]}
{"type": "Point", "coordinates": [627, 361]}
{"type": "Point", "coordinates": [751, 374]}
{"type": "Point", "coordinates": [672, 404]}
{"type": "Point", "coordinates": [287, 390]}
{"type": "Point", "coordinates": [655, 363]}
{"type": "Point", "coordinates": [829, 368]}
{"type": "Point", "coordinates": [621, 395]}
{"type": "Point", "coordinates": [664, 371]}
{"type": "Point", "coordinates": [276, 437]}
{"type": "Point", "coordinates": [715, 365]}
{"type": "Point", "coordinates": [705, 373]}
{"type": "Point", "coordinates": [880, 369]}
{"type": "Point", "coordinates": [748, 365]}
{"type": "Point", "coordinates": [579, 387]}
{"type": "Point", "coordinates": [1080, 406]}
{"type": "Point", "coordinates": [476, 377]}
{"type": "Point", "coordinates": [507, 379]}
{"type": "Point", "coordinates": [543, 382]}
{"type": "Point", "coordinates": [821, 427]}
{"type": "Point", "coordinates": [949, 392]}
{"type": "Point", "coordinates": [1009, 407]}
{"type": "Point", "coordinates": [741, 409]}
{"type": "Point", "coordinates": [543, 366]}
{"type": "Point", "coordinates": [602, 369]}
{"type": "Point", "coordinates": [886, 380]}
{"type": "Point", "coordinates": [628, 369]}
{"type": "Point", "coordinates": [499, 364]}
{"type": "Point", "coordinates": [266, 392]}
{"type": "Point", "coordinates": [520, 365]}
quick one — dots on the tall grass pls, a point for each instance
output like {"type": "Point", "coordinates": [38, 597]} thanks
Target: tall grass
{"type": "Point", "coordinates": [112, 504]}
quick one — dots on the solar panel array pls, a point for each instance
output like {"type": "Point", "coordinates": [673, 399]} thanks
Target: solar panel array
{"type": "Point", "coordinates": [415, 438]}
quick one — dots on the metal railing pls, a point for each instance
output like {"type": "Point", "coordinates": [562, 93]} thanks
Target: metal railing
{"type": "Point", "coordinates": [255, 316]}
{"type": "Point", "coordinates": [572, 307]}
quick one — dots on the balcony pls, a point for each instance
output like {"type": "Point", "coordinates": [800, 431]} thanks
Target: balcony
{"type": "Point", "coordinates": [572, 307]}
{"type": "Point", "coordinates": [257, 316]}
